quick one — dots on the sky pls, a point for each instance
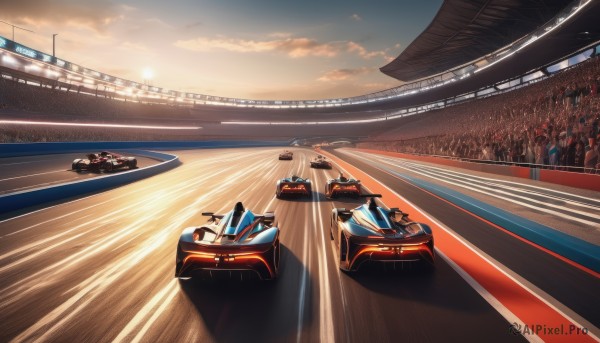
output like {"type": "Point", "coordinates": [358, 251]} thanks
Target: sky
{"type": "Point", "coordinates": [252, 49]}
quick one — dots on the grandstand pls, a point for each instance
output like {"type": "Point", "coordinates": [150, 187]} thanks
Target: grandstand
{"type": "Point", "coordinates": [454, 72]}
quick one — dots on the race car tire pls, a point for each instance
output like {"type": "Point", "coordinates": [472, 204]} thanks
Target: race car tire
{"type": "Point", "coordinates": [331, 228]}
{"type": "Point", "coordinates": [108, 167]}
{"type": "Point", "coordinates": [132, 164]}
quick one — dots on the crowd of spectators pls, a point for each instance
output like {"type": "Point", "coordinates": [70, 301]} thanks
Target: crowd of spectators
{"type": "Point", "coordinates": [553, 122]}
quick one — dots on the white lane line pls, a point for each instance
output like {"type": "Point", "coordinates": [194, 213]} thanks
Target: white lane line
{"type": "Point", "coordinates": [16, 163]}
{"type": "Point", "coordinates": [168, 293]}
{"type": "Point", "coordinates": [325, 314]}
{"type": "Point", "coordinates": [38, 185]}
{"type": "Point", "coordinates": [328, 335]}
{"type": "Point", "coordinates": [468, 183]}
{"type": "Point", "coordinates": [487, 296]}
{"type": "Point", "coordinates": [30, 175]}
{"type": "Point", "coordinates": [155, 316]}
{"type": "Point", "coordinates": [498, 185]}
{"type": "Point", "coordinates": [303, 280]}
{"type": "Point", "coordinates": [543, 189]}
{"type": "Point", "coordinates": [537, 208]}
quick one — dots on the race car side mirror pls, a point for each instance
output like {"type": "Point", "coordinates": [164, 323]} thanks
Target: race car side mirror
{"type": "Point", "coordinates": [269, 217]}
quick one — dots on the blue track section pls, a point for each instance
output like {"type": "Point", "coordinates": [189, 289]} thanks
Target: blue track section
{"type": "Point", "coordinates": [19, 200]}
{"type": "Point", "coordinates": [575, 249]}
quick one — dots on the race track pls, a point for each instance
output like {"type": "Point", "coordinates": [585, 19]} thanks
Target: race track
{"type": "Point", "coordinates": [101, 268]}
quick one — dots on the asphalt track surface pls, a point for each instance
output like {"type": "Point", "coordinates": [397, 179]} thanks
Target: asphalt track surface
{"type": "Point", "coordinates": [28, 172]}
{"type": "Point", "coordinates": [101, 268]}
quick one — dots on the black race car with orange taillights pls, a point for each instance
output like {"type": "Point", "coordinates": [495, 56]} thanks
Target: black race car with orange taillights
{"type": "Point", "coordinates": [371, 233]}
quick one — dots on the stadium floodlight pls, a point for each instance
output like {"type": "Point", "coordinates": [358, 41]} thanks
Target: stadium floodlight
{"type": "Point", "coordinates": [9, 59]}
{"type": "Point", "coordinates": [147, 75]}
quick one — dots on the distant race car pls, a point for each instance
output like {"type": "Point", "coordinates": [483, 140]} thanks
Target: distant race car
{"type": "Point", "coordinates": [294, 185]}
{"type": "Point", "coordinates": [286, 155]}
{"type": "Point", "coordinates": [371, 233]}
{"type": "Point", "coordinates": [104, 161]}
{"type": "Point", "coordinates": [342, 186]}
{"type": "Point", "coordinates": [238, 244]}
{"type": "Point", "coordinates": [320, 162]}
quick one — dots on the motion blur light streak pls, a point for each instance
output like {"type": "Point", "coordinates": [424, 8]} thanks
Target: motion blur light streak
{"type": "Point", "coordinates": [140, 317]}
{"type": "Point", "coordinates": [26, 122]}
{"type": "Point", "coordinates": [471, 185]}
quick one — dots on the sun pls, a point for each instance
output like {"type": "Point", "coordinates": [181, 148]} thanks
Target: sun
{"type": "Point", "coordinates": [147, 74]}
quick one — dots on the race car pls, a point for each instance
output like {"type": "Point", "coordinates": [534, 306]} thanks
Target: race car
{"type": "Point", "coordinates": [373, 234]}
{"type": "Point", "coordinates": [104, 161]}
{"type": "Point", "coordinates": [320, 162]}
{"type": "Point", "coordinates": [286, 155]}
{"type": "Point", "coordinates": [238, 244]}
{"type": "Point", "coordinates": [342, 186]}
{"type": "Point", "coordinates": [294, 185]}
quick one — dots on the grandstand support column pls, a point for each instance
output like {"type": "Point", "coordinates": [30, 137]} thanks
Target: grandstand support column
{"type": "Point", "coordinates": [54, 44]}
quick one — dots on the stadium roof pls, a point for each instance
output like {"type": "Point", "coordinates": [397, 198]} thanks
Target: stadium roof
{"type": "Point", "coordinates": [464, 30]}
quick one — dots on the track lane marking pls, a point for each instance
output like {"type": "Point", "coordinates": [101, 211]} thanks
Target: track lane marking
{"type": "Point", "coordinates": [475, 188]}
{"type": "Point", "coordinates": [522, 239]}
{"type": "Point", "coordinates": [143, 313]}
{"type": "Point", "coordinates": [30, 175]}
{"type": "Point", "coordinates": [527, 306]}
{"type": "Point", "coordinates": [326, 333]}
{"type": "Point", "coordinates": [400, 157]}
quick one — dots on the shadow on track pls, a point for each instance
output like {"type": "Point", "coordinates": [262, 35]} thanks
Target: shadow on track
{"type": "Point", "coordinates": [254, 310]}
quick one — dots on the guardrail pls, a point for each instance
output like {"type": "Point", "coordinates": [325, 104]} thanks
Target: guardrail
{"type": "Point", "coordinates": [19, 200]}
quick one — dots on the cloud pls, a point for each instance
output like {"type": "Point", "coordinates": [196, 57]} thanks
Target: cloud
{"type": "Point", "coordinates": [93, 15]}
{"type": "Point", "coordinates": [293, 47]}
{"type": "Point", "coordinates": [344, 74]}
{"type": "Point", "coordinates": [193, 25]}
{"type": "Point", "coordinates": [280, 35]}
{"type": "Point", "coordinates": [356, 17]}
{"type": "Point", "coordinates": [131, 46]}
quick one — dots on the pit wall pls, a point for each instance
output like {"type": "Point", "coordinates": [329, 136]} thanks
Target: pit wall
{"type": "Point", "coordinates": [578, 180]}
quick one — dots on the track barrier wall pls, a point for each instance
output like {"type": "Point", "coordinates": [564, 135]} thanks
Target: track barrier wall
{"type": "Point", "coordinates": [565, 178]}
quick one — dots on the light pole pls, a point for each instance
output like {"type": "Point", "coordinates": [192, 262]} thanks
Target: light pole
{"type": "Point", "coordinates": [13, 28]}
{"type": "Point", "coordinates": [54, 44]}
